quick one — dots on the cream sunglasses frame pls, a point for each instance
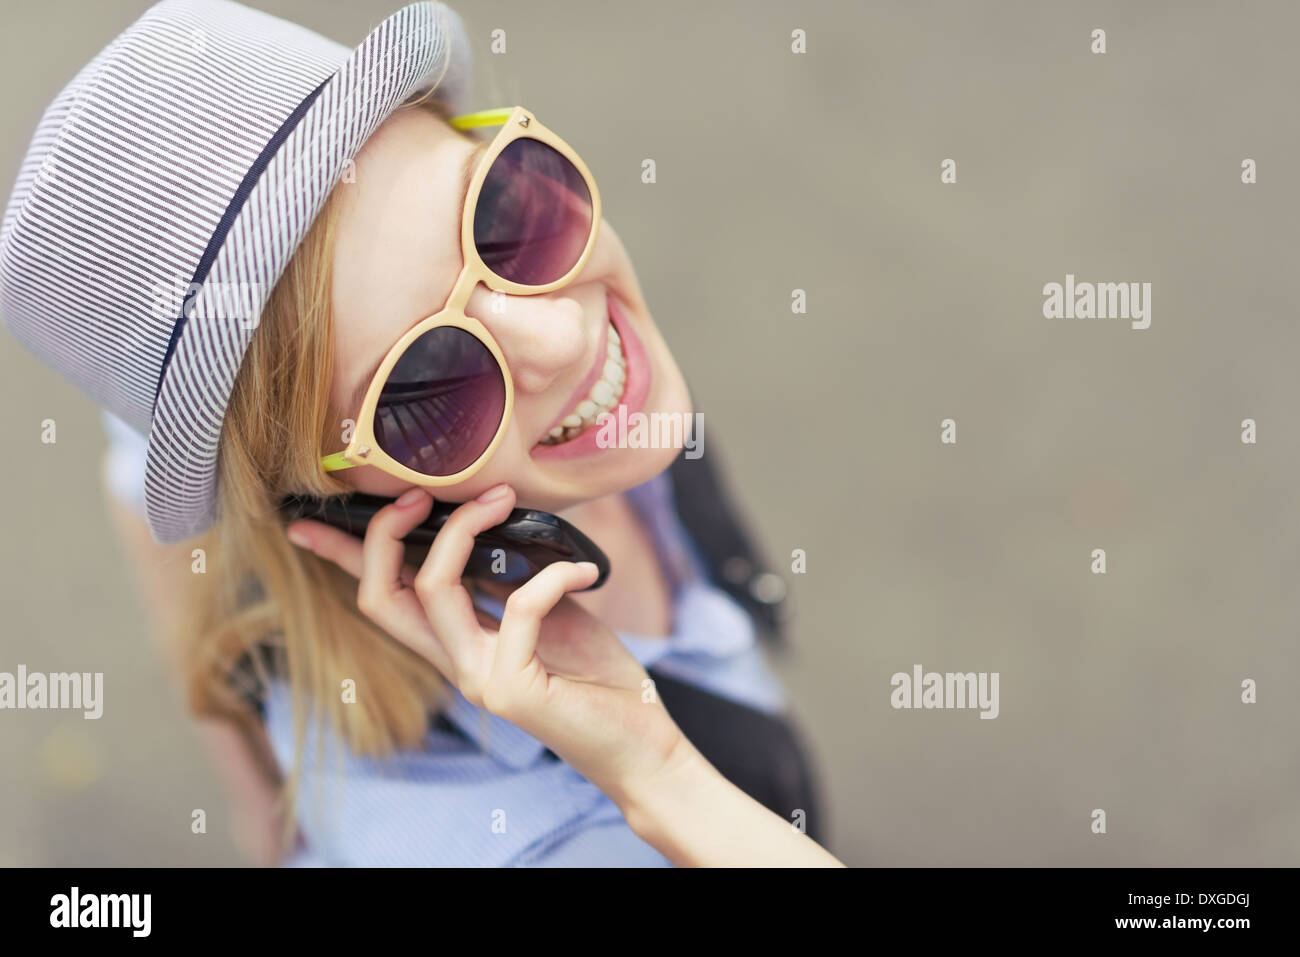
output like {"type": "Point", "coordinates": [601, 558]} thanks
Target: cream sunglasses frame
{"type": "Point", "coordinates": [363, 449]}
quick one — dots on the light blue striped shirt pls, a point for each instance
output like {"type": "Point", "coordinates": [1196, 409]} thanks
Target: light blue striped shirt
{"type": "Point", "coordinates": [492, 796]}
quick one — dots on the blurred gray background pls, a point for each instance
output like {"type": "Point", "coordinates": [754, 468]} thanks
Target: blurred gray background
{"type": "Point", "coordinates": [821, 172]}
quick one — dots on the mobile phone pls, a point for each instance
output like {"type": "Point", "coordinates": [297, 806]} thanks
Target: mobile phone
{"type": "Point", "coordinates": [512, 552]}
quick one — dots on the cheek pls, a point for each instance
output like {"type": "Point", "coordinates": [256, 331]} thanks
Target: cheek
{"type": "Point", "coordinates": [668, 388]}
{"type": "Point", "coordinates": [373, 481]}
{"type": "Point", "coordinates": [506, 465]}
{"type": "Point", "coordinates": [510, 464]}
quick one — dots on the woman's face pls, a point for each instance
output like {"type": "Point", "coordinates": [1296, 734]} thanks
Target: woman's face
{"type": "Point", "coordinates": [396, 257]}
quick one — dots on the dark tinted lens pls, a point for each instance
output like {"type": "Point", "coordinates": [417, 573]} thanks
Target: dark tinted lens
{"type": "Point", "coordinates": [533, 215]}
{"type": "Point", "coordinates": [442, 403]}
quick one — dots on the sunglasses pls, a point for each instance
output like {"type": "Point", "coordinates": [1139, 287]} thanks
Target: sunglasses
{"type": "Point", "coordinates": [438, 405]}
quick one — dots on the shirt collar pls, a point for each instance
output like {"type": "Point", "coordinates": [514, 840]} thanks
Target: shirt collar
{"type": "Point", "coordinates": [496, 736]}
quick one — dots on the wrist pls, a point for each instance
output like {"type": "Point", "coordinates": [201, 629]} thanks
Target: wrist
{"type": "Point", "coordinates": [650, 803]}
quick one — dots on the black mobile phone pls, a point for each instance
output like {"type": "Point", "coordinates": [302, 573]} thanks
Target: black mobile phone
{"type": "Point", "coordinates": [512, 552]}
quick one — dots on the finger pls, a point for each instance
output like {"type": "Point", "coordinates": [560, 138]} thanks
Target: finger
{"type": "Point", "coordinates": [527, 606]}
{"type": "Point", "coordinates": [385, 596]}
{"type": "Point", "coordinates": [383, 551]}
{"type": "Point", "coordinates": [389, 603]}
{"type": "Point", "coordinates": [330, 543]}
{"type": "Point", "coordinates": [343, 548]}
{"type": "Point", "coordinates": [340, 547]}
{"type": "Point", "coordinates": [445, 563]}
{"type": "Point", "coordinates": [438, 582]}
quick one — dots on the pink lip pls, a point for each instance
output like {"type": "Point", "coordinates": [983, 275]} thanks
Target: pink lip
{"type": "Point", "coordinates": [635, 390]}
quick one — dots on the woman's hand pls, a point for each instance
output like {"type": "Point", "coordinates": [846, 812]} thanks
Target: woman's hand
{"type": "Point", "coordinates": [548, 667]}
{"type": "Point", "coordinates": [558, 673]}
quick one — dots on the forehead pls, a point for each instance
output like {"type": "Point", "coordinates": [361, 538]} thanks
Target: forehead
{"type": "Point", "coordinates": [397, 244]}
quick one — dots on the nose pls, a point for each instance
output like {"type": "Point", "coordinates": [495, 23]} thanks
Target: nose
{"type": "Point", "coordinates": [542, 336]}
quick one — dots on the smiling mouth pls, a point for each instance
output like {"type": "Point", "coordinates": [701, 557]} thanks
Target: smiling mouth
{"type": "Point", "coordinates": [604, 395]}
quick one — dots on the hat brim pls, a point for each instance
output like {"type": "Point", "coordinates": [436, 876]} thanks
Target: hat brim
{"type": "Point", "coordinates": [421, 45]}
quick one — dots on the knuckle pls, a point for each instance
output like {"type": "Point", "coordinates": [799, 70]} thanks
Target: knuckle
{"type": "Point", "coordinates": [472, 690]}
{"type": "Point", "coordinates": [526, 603]}
{"type": "Point", "coordinates": [368, 602]}
{"type": "Point", "coordinates": [454, 526]}
{"type": "Point", "coordinates": [425, 585]}
{"type": "Point", "coordinates": [497, 698]}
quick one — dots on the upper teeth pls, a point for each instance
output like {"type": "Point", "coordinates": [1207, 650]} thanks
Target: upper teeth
{"type": "Point", "coordinates": [603, 397]}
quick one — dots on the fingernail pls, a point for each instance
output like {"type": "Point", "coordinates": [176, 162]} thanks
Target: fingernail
{"type": "Point", "coordinates": [299, 537]}
{"type": "Point", "coordinates": [410, 497]}
{"type": "Point", "coordinates": [495, 493]}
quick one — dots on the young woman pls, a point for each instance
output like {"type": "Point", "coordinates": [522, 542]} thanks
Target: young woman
{"type": "Point", "coordinates": [447, 316]}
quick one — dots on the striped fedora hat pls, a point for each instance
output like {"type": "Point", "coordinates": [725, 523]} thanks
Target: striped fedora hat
{"type": "Point", "coordinates": [166, 189]}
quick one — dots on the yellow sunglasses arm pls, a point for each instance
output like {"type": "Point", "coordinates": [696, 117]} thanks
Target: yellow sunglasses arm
{"type": "Point", "coordinates": [335, 462]}
{"type": "Point", "coordinates": [472, 121]}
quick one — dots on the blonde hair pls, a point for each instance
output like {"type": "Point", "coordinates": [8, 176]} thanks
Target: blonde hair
{"type": "Point", "coordinates": [261, 591]}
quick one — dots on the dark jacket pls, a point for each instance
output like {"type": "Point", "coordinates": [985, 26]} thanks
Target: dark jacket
{"type": "Point", "coordinates": [764, 756]}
